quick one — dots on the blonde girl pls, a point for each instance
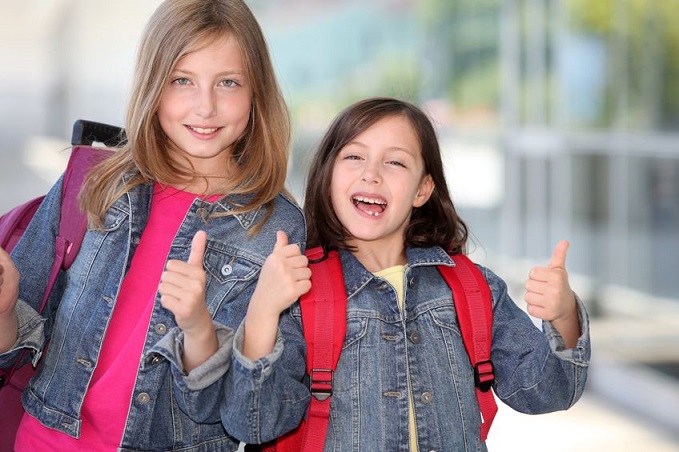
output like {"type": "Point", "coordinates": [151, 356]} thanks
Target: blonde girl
{"type": "Point", "coordinates": [140, 329]}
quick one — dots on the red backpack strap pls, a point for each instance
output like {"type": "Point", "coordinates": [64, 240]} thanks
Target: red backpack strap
{"type": "Point", "coordinates": [324, 334]}
{"type": "Point", "coordinates": [474, 308]}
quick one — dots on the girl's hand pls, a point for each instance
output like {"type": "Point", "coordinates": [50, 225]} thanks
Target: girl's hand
{"type": "Point", "coordinates": [182, 292]}
{"type": "Point", "coordinates": [285, 276]}
{"type": "Point", "coordinates": [550, 298]}
{"type": "Point", "coordinates": [9, 284]}
{"type": "Point", "coordinates": [9, 293]}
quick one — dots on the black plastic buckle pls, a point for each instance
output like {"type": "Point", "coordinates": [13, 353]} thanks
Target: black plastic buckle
{"type": "Point", "coordinates": [321, 383]}
{"type": "Point", "coordinates": [484, 375]}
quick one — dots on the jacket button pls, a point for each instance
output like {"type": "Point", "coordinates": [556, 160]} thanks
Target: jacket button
{"type": "Point", "coordinates": [427, 397]}
{"type": "Point", "coordinates": [155, 359]}
{"type": "Point", "coordinates": [203, 215]}
{"type": "Point", "coordinates": [226, 270]}
{"type": "Point", "coordinates": [411, 282]}
{"type": "Point", "coordinates": [415, 338]}
{"type": "Point", "coordinates": [160, 329]}
{"type": "Point", "coordinates": [143, 398]}
{"type": "Point", "coordinates": [382, 287]}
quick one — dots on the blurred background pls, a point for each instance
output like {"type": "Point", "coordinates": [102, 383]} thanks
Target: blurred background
{"type": "Point", "coordinates": [559, 119]}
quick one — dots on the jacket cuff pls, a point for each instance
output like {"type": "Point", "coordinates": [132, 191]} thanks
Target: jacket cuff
{"type": "Point", "coordinates": [172, 348]}
{"type": "Point", "coordinates": [580, 354]}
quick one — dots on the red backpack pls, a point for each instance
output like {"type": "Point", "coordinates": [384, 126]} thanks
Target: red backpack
{"type": "Point", "coordinates": [72, 229]}
{"type": "Point", "coordinates": [325, 334]}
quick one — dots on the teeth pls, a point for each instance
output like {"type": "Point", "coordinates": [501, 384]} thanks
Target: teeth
{"type": "Point", "coordinates": [204, 131]}
{"type": "Point", "coordinates": [368, 200]}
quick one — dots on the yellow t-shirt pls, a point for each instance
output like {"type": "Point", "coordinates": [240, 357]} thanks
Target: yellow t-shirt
{"type": "Point", "coordinates": [395, 275]}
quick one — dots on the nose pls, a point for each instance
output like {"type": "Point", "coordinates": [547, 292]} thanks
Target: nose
{"type": "Point", "coordinates": [205, 105]}
{"type": "Point", "coordinates": [371, 173]}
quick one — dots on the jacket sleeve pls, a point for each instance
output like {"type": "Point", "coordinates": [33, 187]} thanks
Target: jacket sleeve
{"type": "Point", "coordinates": [31, 256]}
{"type": "Point", "coordinates": [273, 388]}
{"type": "Point", "coordinates": [534, 373]}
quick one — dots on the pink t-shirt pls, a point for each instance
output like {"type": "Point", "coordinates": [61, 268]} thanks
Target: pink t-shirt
{"type": "Point", "coordinates": [107, 401]}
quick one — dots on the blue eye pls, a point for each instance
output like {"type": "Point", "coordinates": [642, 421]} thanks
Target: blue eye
{"type": "Point", "coordinates": [229, 83]}
{"type": "Point", "coordinates": [181, 81]}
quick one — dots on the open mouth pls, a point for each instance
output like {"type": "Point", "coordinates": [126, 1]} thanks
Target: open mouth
{"type": "Point", "coordinates": [370, 206]}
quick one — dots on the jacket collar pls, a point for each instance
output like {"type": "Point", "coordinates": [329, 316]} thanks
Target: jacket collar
{"type": "Point", "coordinates": [356, 276]}
{"type": "Point", "coordinates": [142, 194]}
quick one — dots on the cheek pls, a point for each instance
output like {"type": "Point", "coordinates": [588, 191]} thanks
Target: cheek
{"type": "Point", "coordinates": [336, 193]}
{"type": "Point", "coordinates": [171, 107]}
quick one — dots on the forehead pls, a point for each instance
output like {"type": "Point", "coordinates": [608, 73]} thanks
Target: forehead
{"type": "Point", "coordinates": [218, 49]}
{"type": "Point", "coordinates": [390, 132]}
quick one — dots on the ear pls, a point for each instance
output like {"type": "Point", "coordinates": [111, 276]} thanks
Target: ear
{"type": "Point", "coordinates": [424, 192]}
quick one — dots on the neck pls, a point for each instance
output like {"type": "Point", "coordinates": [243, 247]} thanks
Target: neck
{"type": "Point", "coordinates": [376, 256]}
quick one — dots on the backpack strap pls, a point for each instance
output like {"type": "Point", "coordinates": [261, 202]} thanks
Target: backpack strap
{"type": "Point", "coordinates": [73, 222]}
{"type": "Point", "coordinates": [474, 308]}
{"type": "Point", "coordinates": [324, 334]}
{"type": "Point", "coordinates": [72, 225]}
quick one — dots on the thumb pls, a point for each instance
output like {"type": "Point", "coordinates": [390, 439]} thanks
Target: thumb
{"type": "Point", "coordinates": [558, 259]}
{"type": "Point", "coordinates": [281, 240]}
{"type": "Point", "coordinates": [198, 245]}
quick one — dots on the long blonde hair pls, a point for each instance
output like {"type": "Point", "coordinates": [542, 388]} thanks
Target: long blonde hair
{"type": "Point", "coordinates": [176, 28]}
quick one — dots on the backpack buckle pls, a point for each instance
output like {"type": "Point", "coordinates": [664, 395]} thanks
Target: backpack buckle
{"type": "Point", "coordinates": [321, 383]}
{"type": "Point", "coordinates": [484, 375]}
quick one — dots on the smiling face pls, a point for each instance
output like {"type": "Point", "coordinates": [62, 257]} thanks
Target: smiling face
{"type": "Point", "coordinates": [377, 179]}
{"type": "Point", "coordinates": [205, 107]}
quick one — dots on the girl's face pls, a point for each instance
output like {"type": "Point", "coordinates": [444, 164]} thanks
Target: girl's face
{"type": "Point", "coordinates": [206, 105]}
{"type": "Point", "coordinates": [377, 179]}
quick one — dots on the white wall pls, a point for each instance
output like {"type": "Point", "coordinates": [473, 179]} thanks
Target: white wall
{"type": "Point", "coordinates": [60, 60]}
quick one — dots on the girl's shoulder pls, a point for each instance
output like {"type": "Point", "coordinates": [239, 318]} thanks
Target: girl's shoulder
{"type": "Point", "coordinates": [288, 200]}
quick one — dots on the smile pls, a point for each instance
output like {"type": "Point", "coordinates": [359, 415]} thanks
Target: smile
{"type": "Point", "coordinates": [371, 206]}
{"type": "Point", "coordinates": [203, 131]}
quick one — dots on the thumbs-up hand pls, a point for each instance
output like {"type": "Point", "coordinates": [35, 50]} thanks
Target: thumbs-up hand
{"type": "Point", "coordinates": [548, 294]}
{"type": "Point", "coordinates": [182, 288]}
{"type": "Point", "coordinates": [9, 284]}
{"type": "Point", "coordinates": [9, 292]}
{"type": "Point", "coordinates": [285, 276]}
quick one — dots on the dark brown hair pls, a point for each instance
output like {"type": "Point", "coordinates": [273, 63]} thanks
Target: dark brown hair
{"type": "Point", "coordinates": [434, 223]}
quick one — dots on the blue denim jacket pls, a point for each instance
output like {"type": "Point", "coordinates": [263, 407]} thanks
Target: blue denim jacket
{"type": "Point", "coordinates": [386, 351]}
{"type": "Point", "coordinates": [169, 408]}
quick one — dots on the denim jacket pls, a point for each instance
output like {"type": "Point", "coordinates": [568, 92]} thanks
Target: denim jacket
{"type": "Point", "coordinates": [170, 409]}
{"type": "Point", "coordinates": [386, 351]}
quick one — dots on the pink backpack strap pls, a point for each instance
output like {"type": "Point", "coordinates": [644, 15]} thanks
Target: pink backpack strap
{"type": "Point", "coordinates": [73, 222]}
{"type": "Point", "coordinates": [72, 227]}
{"type": "Point", "coordinates": [474, 308]}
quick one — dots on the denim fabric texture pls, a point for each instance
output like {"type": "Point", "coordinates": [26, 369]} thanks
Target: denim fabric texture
{"type": "Point", "coordinates": [170, 409]}
{"type": "Point", "coordinates": [386, 352]}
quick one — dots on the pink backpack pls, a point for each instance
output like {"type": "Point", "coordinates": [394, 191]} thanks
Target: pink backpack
{"type": "Point", "coordinates": [71, 232]}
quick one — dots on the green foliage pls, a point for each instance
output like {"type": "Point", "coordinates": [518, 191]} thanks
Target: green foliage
{"type": "Point", "coordinates": [643, 41]}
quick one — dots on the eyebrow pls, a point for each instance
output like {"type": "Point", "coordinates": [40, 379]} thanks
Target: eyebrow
{"type": "Point", "coordinates": [389, 148]}
{"type": "Point", "coordinates": [219, 74]}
